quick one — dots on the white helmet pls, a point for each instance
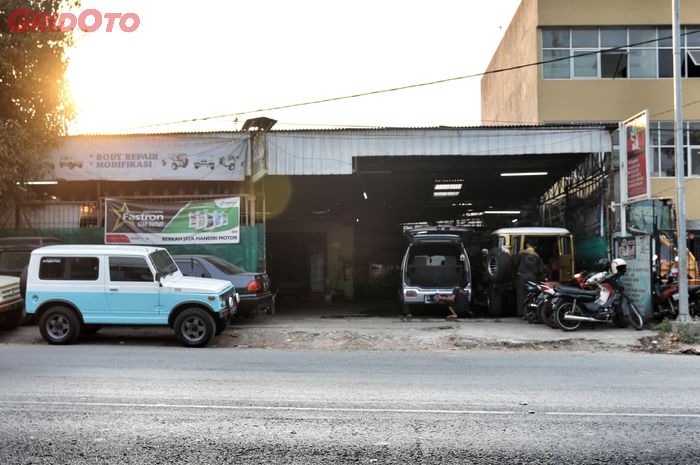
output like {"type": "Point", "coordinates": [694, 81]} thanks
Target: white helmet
{"type": "Point", "coordinates": [618, 266]}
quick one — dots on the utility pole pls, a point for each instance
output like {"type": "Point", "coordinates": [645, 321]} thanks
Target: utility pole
{"type": "Point", "coordinates": [683, 315]}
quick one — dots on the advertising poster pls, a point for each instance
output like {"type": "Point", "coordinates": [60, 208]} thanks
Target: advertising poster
{"type": "Point", "coordinates": [636, 251]}
{"type": "Point", "coordinates": [638, 161]}
{"type": "Point", "coordinates": [214, 221]}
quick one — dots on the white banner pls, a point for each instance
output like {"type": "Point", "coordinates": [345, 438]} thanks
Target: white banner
{"type": "Point", "coordinates": [206, 157]}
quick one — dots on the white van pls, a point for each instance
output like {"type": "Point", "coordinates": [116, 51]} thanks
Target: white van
{"type": "Point", "coordinates": [74, 289]}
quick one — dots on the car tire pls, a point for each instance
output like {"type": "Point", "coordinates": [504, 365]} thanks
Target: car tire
{"type": "Point", "coordinates": [12, 319]}
{"type": "Point", "coordinates": [195, 327]}
{"type": "Point", "coordinates": [499, 266]}
{"type": "Point", "coordinates": [220, 326]}
{"type": "Point", "coordinates": [60, 325]}
{"type": "Point", "coordinates": [494, 302]}
{"type": "Point", "coordinates": [23, 282]}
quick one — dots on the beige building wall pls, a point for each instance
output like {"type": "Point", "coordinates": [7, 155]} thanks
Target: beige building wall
{"type": "Point", "coordinates": [523, 96]}
{"type": "Point", "coordinates": [613, 12]}
{"type": "Point", "coordinates": [510, 97]}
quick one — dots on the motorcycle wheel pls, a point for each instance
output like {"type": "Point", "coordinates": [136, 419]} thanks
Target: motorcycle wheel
{"type": "Point", "coordinates": [561, 311]}
{"type": "Point", "coordinates": [635, 316]}
{"type": "Point", "coordinates": [547, 315]}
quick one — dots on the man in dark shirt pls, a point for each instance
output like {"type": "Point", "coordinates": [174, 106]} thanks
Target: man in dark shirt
{"type": "Point", "coordinates": [459, 302]}
{"type": "Point", "coordinates": [529, 267]}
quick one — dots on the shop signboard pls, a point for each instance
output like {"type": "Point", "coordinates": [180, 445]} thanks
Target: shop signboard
{"type": "Point", "coordinates": [205, 157]}
{"type": "Point", "coordinates": [636, 251]}
{"type": "Point", "coordinates": [212, 221]}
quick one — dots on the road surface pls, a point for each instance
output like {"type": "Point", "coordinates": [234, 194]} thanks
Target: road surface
{"type": "Point", "coordinates": [116, 404]}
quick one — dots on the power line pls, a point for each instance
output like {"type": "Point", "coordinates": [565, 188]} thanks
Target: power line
{"type": "Point", "coordinates": [406, 87]}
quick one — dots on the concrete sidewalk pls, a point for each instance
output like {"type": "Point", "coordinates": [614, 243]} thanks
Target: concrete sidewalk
{"type": "Point", "coordinates": [380, 327]}
{"type": "Point", "coordinates": [373, 326]}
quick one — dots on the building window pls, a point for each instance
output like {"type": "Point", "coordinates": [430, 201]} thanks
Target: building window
{"type": "Point", "coordinates": [617, 52]}
{"type": "Point", "coordinates": [663, 149]}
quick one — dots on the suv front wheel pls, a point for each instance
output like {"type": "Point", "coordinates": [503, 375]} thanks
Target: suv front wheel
{"type": "Point", "coordinates": [195, 327]}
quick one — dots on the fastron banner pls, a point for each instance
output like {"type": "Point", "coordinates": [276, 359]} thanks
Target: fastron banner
{"type": "Point", "coordinates": [213, 221]}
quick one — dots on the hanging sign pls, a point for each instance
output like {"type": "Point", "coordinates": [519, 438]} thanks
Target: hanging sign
{"type": "Point", "coordinates": [197, 157]}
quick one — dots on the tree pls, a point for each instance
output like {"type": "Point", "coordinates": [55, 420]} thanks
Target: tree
{"type": "Point", "coordinates": [35, 107]}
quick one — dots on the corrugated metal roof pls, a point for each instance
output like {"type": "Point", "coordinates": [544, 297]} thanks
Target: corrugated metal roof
{"type": "Point", "coordinates": [327, 152]}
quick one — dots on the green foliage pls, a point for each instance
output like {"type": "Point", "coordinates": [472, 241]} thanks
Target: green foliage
{"type": "Point", "coordinates": [35, 107]}
{"type": "Point", "coordinates": [664, 326]}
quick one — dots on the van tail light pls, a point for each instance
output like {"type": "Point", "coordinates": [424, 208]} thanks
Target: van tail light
{"type": "Point", "coordinates": [253, 286]}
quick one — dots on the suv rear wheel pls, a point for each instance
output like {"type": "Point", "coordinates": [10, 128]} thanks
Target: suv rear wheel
{"type": "Point", "coordinates": [59, 325]}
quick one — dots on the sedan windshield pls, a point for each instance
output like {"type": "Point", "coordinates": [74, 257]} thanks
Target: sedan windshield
{"type": "Point", "coordinates": [163, 262]}
{"type": "Point", "coordinates": [224, 266]}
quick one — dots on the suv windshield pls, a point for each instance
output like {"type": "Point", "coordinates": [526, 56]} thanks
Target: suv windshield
{"type": "Point", "coordinates": [224, 266]}
{"type": "Point", "coordinates": [163, 262]}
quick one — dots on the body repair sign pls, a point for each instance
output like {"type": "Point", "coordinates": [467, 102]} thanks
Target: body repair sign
{"type": "Point", "coordinates": [215, 221]}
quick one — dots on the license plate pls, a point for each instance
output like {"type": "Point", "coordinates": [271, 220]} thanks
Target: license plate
{"type": "Point", "coordinates": [675, 296]}
{"type": "Point", "coordinates": [430, 299]}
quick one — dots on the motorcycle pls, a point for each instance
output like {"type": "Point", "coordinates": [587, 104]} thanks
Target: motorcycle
{"type": "Point", "coordinates": [538, 301]}
{"type": "Point", "coordinates": [666, 299]}
{"type": "Point", "coordinates": [606, 303]}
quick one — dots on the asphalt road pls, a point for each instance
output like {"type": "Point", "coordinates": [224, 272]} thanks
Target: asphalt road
{"type": "Point", "coordinates": [117, 404]}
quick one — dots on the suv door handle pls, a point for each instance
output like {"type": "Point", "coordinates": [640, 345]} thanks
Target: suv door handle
{"type": "Point", "coordinates": [113, 288]}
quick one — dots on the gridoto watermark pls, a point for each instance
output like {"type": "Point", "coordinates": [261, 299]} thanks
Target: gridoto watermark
{"type": "Point", "coordinates": [90, 20]}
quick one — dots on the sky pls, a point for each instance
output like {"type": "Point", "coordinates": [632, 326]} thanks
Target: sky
{"type": "Point", "coordinates": [190, 60]}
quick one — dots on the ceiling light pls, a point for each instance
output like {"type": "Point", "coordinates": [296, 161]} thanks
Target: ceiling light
{"type": "Point", "coordinates": [364, 194]}
{"type": "Point", "coordinates": [447, 187]}
{"type": "Point", "coordinates": [503, 212]}
{"type": "Point", "coordinates": [38, 183]}
{"type": "Point", "coordinates": [530, 173]}
{"type": "Point", "coordinates": [514, 221]}
{"type": "Point", "coordinates": [445, 193]}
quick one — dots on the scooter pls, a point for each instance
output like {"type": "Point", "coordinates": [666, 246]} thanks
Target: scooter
{"type": "Point", "coordinates": [606, 303]}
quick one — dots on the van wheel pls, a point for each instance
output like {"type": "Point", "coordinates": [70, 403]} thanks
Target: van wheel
{"type": "Point", "coordinates": [59, 325]}
{"type": "Point", "coordinates": [494, 302]}
{"type": "Point", "coordinates": [498, 265]}
{"type": "Point", "coordinates": [195, 327]}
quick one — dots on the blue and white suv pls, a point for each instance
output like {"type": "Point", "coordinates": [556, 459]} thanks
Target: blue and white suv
{"type": "Point", "coordinates": [74, 289]}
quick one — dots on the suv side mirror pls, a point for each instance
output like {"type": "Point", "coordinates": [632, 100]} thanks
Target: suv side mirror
{"type": "Point", "coordinates": [158, 278]}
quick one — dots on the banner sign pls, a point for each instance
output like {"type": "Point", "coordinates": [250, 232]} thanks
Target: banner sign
{"type": "Point", "coordinates": [197, 157]}
{"type": "Point", "coordinates": [214, 221]}
{"type": "Point", "coordinates": [636, 251]}
{"type": "Point", "coordinates": [638, 156]}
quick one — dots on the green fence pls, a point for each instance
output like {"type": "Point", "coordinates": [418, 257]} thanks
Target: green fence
{"type": "Point", "coordinates": [248, 254]}
{"type": "Point", "coordinates": [589, 251]}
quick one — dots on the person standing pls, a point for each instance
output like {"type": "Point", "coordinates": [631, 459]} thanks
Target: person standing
{"type": "Point", "coordinates": [529, 267]}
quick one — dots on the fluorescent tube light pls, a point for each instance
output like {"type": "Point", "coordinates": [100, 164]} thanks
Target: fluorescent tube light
{"type": "Point", "coordinates": [527, 173]}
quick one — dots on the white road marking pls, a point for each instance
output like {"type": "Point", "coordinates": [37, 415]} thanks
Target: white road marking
{"type": "Point", "coordinates": [347, 409]}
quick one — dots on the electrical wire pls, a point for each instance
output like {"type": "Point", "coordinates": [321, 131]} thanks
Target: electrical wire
{"type": "Point", "coordinates": [406, 87]}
